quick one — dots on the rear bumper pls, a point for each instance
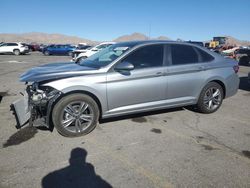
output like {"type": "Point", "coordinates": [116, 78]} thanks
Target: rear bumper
{"type": "Point", "coordinates": [24, 50]}
{"type": "Point", "coordinates": [232, 85]}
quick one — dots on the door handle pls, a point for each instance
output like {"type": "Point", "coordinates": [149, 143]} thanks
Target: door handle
{"type": "Point", "coordinates": [201, 68]}
{"type": "Point", "coordinates": [160, 74]}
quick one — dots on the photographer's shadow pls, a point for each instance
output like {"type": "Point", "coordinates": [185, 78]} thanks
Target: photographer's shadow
{"type": "Point", "coordinates": [77, 174]}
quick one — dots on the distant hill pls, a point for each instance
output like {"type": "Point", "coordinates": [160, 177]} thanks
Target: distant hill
{"type": "Point", "coordinates": [137, 36]}
{"type": "Point", "coordinates": [43, 38]}
{"type": "Point", "coordinates": [234, 41]}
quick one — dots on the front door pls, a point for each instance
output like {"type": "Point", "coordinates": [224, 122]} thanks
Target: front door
{"type": "Point", "coordinates": [141, 87]}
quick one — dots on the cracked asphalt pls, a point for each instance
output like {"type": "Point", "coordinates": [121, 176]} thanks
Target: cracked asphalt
{"type": "Point", "coordinates": [168, 148]}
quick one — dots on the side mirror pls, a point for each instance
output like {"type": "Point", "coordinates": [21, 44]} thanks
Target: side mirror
{"type": "Point", "coordinates": [124, 66]}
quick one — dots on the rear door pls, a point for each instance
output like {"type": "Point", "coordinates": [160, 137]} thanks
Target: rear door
{"type": "Point", "coordinates": [142, 86]}
{"type": "Point", "coordinates": [187, 72]}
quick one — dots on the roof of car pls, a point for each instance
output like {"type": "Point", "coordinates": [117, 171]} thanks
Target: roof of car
{"type": "Point", "coordinates": [139, 42]}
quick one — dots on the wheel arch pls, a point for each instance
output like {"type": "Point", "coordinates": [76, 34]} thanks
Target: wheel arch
{"type": "Point", "coordinates": [221, 83]}
{"type": "Point", "coordinates": [93, 96]}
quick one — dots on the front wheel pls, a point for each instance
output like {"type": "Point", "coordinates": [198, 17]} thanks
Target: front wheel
{"type": "Point", "coordinates": [75, 115]}
{"type": "Point", "coordinates": [211, 98]}
{"type": "Point", "coordinates": [17, 52]}
{"type": "Point", "coordinates": [46, 53]}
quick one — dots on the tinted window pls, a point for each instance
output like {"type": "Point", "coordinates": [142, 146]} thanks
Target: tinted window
{"type": "Point", "coordinates": [149, 56]}
{"type": "Point", "coordinates": [183, 54]}
{"type": "Point", "coordinates": [12, 44]}
{"type": "Point", "coordinates": [204, 56]}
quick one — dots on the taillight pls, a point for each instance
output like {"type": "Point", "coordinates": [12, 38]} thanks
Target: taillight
{"type": "Point", "coordinates": [236, 68]}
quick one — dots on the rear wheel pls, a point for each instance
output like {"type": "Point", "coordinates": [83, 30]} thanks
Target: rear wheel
{"type": "Point", "coordinates": [75, 115]}
{"type": "Point", "coordinates": [46, 53]}
{"type": "Point", "coordinates": [16, 52]}
{"type": "Point", "coordinates": [211, 98]}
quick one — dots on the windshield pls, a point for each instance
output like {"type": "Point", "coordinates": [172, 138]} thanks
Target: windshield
{"type": "Point", "coordinates": [105, 56]}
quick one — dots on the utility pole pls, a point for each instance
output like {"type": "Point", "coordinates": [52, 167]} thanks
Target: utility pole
{"type": "Point", "coordinates": [149, 31]}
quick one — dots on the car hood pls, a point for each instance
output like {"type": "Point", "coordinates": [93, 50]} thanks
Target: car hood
{"type": "Point", "coordinates": [55, 71]}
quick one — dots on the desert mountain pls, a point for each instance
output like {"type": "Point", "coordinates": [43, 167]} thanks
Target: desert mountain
{"type": "Point", "coordinates": [46, 38]}
{"type": "Point", "coordinates": [234, 41]}
{"type": "Point", "coordinates": [43, 38]}
{"type": "Point", "coordinates": [137, 36]}
{"type": "Point", "coordinates": [134, 36]}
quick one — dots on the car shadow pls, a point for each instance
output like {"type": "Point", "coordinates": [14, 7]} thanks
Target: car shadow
{"type": "Point", "coordinates": [142, 114]}
{"type": "Point", "coordinates": [79, 173]}
{"type": "Point", "coordinates": [244, 84]}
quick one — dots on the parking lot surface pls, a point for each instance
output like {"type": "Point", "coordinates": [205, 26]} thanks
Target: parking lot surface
{"type": "Point", "coordinates": [168, 148]}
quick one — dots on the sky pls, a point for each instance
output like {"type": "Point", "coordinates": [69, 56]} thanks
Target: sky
{"type": "Point", "coordinates": [108, 19]}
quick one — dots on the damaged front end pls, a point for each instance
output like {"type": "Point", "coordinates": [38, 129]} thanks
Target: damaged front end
{"type": "Point", "coordinates": [34, 108]}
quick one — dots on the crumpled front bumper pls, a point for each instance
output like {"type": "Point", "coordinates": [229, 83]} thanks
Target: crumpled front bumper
{"type": "Point", "coordinates": [21, 110]}
{"type": "Point", "coordinates": [34, 108]}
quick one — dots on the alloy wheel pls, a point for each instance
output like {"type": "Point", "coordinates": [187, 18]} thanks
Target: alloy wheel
{"type": "Point", "coordinates": [77, 116]}
{"type": "Point", "coordinates": [212, 98]}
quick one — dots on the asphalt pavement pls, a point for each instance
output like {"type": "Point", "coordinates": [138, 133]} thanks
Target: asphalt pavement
{"type": "Point", "coordinates": [168, 148]}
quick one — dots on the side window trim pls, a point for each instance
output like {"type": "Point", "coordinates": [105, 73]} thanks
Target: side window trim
{"type": "Point", "coordinates": [167, 56]}
{"type": "Point", "coordinates": [198, 54]}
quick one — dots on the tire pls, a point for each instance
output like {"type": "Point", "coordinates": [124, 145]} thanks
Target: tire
{"type": "Point", "coordinates": [46, 53]}
{"type": "Point", "coordinates": [80, 59]}
{"type": "Point", "coordinates": [70, 54]}
{"type": "Point", "coordinates": [17, 52]}
{"type": "Point", "coordinates": [210, 101]}
{"type": "Point", "coordinates": [67, 110]}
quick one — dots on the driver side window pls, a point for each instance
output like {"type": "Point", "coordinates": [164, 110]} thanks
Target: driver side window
{"type": "Point", "coordinates": [145, 57]}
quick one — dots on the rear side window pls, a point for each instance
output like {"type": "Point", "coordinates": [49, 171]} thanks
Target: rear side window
{"type": "Point", "coordinates": [183, 54]}
{"type": "Point", "coordinates": [12, 44]}
{"type": "Point", "coordinates": [204, 56]}
{"type": "Point", "coordinates": [148, 56]}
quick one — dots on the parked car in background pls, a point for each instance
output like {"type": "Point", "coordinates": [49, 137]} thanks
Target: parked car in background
{"type": "Point", "coordinates": [125, 78]}
{"type": "Point", "coordinates": [90, 51]}
{"type": "Point", "coordinates": [41, 47]}
{"type": "Point", "coordinates": [80, 49]}
{"type": "Point", "coordinates": [16, 48]}
{"type": "Point", "coordinates": [34, 47]}
{"type": "Point", "coordinates": [242, 55]}
{"type": "Point", "coordinates": [58, 49]}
